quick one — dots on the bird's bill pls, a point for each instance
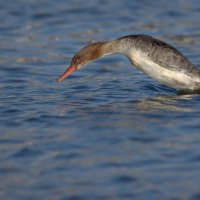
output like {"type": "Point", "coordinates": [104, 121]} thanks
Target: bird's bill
{"type": "Point", "coordinates": [69, 71]}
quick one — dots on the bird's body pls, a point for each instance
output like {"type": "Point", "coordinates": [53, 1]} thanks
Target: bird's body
{"type": "Point", "coordinates": [155, 58]}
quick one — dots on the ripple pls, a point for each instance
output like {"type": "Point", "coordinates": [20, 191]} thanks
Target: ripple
{"type": "Point", "coordinates": [142, 139]}
{"type": "Point", "coordinates": [67, 156]}
{"type": "Point", "coordinates": [30, 60]}
{"type": "Point", "coordinates": [8, 168]}
{"type": "Point", "coordinates": [11, 111]}
{"type": "Point", "coordinates": [196, 197]}
{"type": "Point", "coordinates": [195, 159]}
{"type": "Point", "coordinates": [26, 152]}
{"type": "Point", "coordinates": [125, 179]}
{"type": "Point", "coordinates": [74, 197]}
{"type": "Point", "coordinates": [42, 15]}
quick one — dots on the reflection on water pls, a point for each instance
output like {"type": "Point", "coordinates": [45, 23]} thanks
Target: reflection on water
{"type": "Point", "coordinates": [108, 131]}
{"type": "Point", "coordinates": [167, 103]}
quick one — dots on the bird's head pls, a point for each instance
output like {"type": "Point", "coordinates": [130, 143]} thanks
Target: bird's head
{"type": "Point", "coordinates": [83, 57]}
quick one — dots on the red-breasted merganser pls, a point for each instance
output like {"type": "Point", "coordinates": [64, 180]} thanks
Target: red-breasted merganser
{"type": "Point", "coordinates": [154, 57]}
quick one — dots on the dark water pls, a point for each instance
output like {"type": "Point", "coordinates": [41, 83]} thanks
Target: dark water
{"type": "Point", "coordinates": [108, 131]}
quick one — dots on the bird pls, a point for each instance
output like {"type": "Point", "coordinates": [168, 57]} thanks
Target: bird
{"type": "Point", "coordinates": [157, 59]}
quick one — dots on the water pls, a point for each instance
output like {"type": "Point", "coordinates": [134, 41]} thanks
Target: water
{"type": "Point", "coordinates": [108, 131]}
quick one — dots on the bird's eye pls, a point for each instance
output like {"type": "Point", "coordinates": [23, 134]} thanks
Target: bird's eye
{"type": "Point", "coordinates": [76, 60]}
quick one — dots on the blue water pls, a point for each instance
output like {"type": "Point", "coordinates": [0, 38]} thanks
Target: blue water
{"type": "Point", "coordinates": [108, 131]}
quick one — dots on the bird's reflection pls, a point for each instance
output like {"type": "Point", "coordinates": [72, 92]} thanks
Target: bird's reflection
{"type": "Point", "coordinates": [168, 103]}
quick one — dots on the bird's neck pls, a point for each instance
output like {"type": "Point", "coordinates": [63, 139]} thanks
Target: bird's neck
{"type": "Point", "coordinates": [119, 46]}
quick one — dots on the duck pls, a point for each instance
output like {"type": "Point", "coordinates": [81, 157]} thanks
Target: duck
{"type": "Point", "coordinates": [157, 59]}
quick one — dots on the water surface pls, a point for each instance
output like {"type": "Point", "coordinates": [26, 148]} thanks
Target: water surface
{"type": "Point", "coordinates": [108, 131]}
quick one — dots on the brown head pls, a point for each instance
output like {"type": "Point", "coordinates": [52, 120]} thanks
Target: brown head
{"type": "Point", "coordinates": [83, 57]}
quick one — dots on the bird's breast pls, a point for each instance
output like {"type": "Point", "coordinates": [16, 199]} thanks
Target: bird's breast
{"type": "Point", "coordinates": [171, 77]}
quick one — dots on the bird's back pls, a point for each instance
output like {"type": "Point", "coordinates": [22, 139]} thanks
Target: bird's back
{"type": "Point", "coordinates": [163, 54]}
